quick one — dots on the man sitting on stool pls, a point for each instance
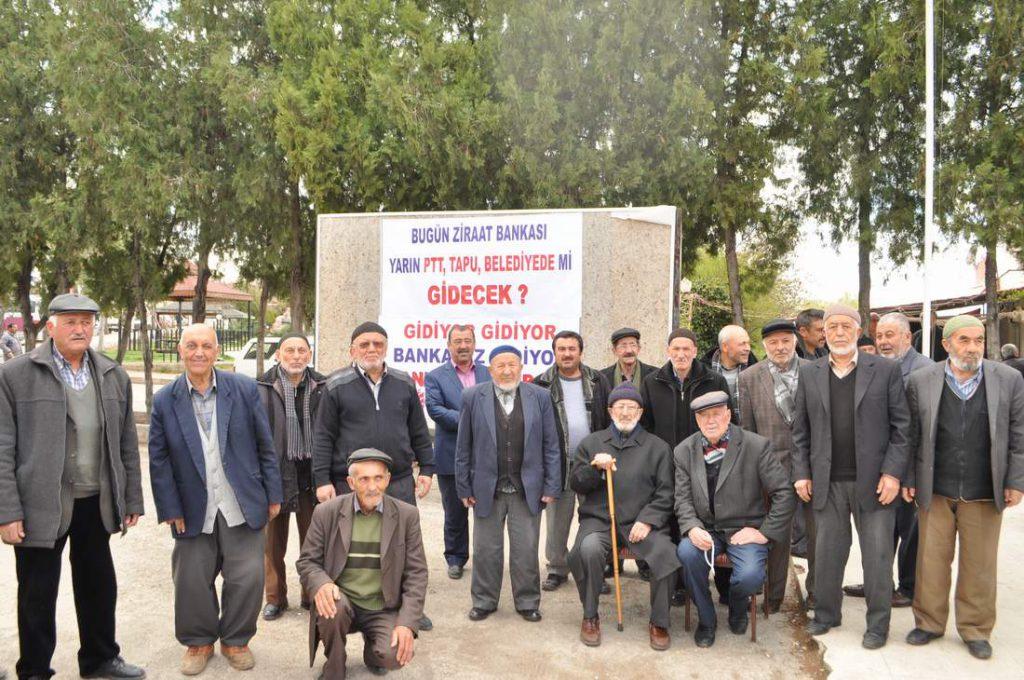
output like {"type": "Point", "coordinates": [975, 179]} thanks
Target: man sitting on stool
{"type": "Point", "coordinates": [723, 474]}
{"type": "Point", "coordinates": [643, 500]}
{"type": "Point", "coordinates": [363, 565]}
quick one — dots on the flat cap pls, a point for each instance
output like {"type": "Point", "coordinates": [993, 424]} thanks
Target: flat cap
{"type": "Point", "coordinates": [865, 341]}
{"type": "Point", "coordinates": [777, 325]}
{"type": "Point", "coordinates": [504, 349]}
{"type": "Point", "coordinates": [625, 391]}
{"type": "Point", "coordinates": [363, 455]}
{"type": "Point", "coordinates": [960, 322]}
{"type": "Point", "coordinates": [842, 310]}
{"type": "Point", "coordinates": [69, 303]}
{"type": "Point", "coordinates": [709, 400]}
{"type": "Point", "coordinates": [368, 327]}
{"type": "Point", "coordinates": [625, 333]}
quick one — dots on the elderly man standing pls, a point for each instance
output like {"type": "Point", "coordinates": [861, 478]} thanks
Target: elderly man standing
{"type": "Point", "coordinates": [444, 387]}
{"type": "Point", "coordinates": [810, 326]}
{"type": "Point", "coordinates": [731, 358]}
{"type": "Point", "coordinates": [723, 476]}
{"type": "Point", "coordinates": [580, 397]}
{"type": "Point", "coordinates": [216, 482]}
{"type": "Point", "coordinates": [850, 445]}
{"type": "Point", "coordinates": [9, 342]}
{"type": "Point", "coordinates": [291, 394]}
{"type": "Point", "coordinates": [69, 470]}
{"type": "Point", "coordinates": [895, 341]}
{"type": "Point", "coordinates": [369, 405]}
{"type": "Point", "coordinates": [627, 366]}
{"type": "Point", "coordinates": [364, 564]}
{"type": "Point", "coordinates": [767, 407]}
{"type": "Point", "coordinates": [642, 480]}
{"type": "Point", "coordinates": [508, 466]}
{"type": "Point", "coordinates": [967, 438]}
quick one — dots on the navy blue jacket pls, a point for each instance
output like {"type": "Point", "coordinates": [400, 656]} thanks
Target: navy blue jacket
{"type": "Point", "coordinates": [476, 450]}
{"type": "Point", "coordinates": [444, 400]}
{"type": "Point", "coordinates": [176, 465]}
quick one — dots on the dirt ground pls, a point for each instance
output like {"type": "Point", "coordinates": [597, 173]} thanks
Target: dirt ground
{"type": "Point", "coordinates": [503, 646]}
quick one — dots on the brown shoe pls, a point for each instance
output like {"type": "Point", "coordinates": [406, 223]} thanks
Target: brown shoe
{"type": "Point", "coordinates": [195, 659]}
{"type": "Point", "coordinates": [660, 640]}
{"type": "Point", "coordinates": [240, 658]}
{"type": "Point", "coordinates": [590, 632]}
{"type": "Point", "coordinates": [900, 600]}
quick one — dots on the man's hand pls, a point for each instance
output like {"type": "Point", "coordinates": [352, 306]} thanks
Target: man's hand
{"type": "Point", "coordinates": [1012, 497]}
{"type": "Point", "coordinates": [423, 483]}
{"type": "Point", "coordinates": [803, 489]}
{"type": "Point", "coordinates": [547, 500]}
{"type": "Point", "coordinates": [639, 532]}
{"type": "Point", "coordinates": [888, 488]}
{"type": "Point", "coordinates": [273, 511]}
{"type": "Point", "coordinates": [325, 599]}
{"type": "Point", "coordinates": [177, 524]}
{"type": "Point", "coordinates": [700, 538]}
{"type": "Point", "coordinates": [325, 493]}
{"type": "Point", "coordinates": [604, 461]}
{"type": "Point", "coordinates": [13, 532]}
{"type": "Point", "coordinates": [131, 520]}
{"type": "Point", "coordinates": [469, 502]}
{"type": "Point", "coordinates": [748, 535]}
{"type": "Point", "coordinates": [908, 493]}
{"type": "Point", "coordinates": [402, 638]}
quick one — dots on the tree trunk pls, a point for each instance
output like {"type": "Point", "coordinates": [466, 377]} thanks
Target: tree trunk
{"type": "Point", "coordinates": [297, 301]}
{"type": "Point", "coordinates": [139, 296]}
{"type": "Point", "coordinates": [261, 328]}
{"type": "Point", "coordinates": [732, 265]}
{"type": "Point", "coordinates": [124, 332]}
{"type": "Point", "coordinates": [992, 341]}
{"type": "Point", "coordinates": [202, 280]}
{"type": "Point", "coordinates": [24, 293]}
{"type": "Point", "coordinates": [865, 245]}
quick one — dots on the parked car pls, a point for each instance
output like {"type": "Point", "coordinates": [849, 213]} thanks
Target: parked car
{"type": "Point", "coordinates": [245, 358]}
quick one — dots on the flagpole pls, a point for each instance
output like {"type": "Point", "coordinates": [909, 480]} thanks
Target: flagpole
{"type": "Point", "coordinates": [929, 174]}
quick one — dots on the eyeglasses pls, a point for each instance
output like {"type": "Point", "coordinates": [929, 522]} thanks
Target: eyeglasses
{"type": "Point", "coordinates": [625, 408]}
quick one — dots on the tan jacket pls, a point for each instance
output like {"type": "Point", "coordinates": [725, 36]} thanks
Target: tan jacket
{"type": "Point", "coordinates": [402, 560]}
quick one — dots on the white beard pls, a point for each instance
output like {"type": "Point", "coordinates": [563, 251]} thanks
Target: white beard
{"type": "Point", "coordinates": [624, 428]}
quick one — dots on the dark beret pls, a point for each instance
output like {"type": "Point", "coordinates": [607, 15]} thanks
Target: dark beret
{"type": "Point", "coordinates": [709, 400]}
{"type": "Point", "coordinates": [504, 349]}
{"type": "Point", "coordinates": [368, 327]}
{"type": "Point", "coordinates": [625, 391]}
{"type": "Point", "coordinates": [776, 325]}
{"type": "Point", "coordinates": [362, 455]}
{"type": "Point", "coordinates": [625, 333]}
{"type": "Point", "coordinates": [682, 333]}
{"type": "Point", "coordinates": [294, 334]}
{"type": "Point", "coordinates": [69, 303]}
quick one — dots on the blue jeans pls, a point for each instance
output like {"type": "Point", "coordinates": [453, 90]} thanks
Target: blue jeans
{"type": "Point", "coordinates": [748, 571]}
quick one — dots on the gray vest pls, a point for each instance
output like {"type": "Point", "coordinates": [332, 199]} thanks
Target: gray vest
{"type": "Point", "coordinates": [85, 440]}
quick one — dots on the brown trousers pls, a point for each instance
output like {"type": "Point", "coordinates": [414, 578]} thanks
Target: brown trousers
{"type": "Point", "coordinates": [277, 546]}
{"type": "Point", "coordinates": [976, 524]}
{"type": "Point", "coordinates": [376, 627]}
{"type": "Point", "coordinates": [779, 560]}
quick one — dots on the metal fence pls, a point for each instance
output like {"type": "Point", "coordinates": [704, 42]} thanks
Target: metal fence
{"type": "Point", "coordinates": [164, 342]}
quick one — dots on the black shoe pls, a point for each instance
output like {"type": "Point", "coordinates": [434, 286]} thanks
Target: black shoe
{"type": "Point", "coordinates": [817, 627]}
{"type": "Point", "coordinates": [455, 572]}
{"type": "Point", "coordinates": [476, 614]}
{"type": "Point", "coordinates": [272, 612]}
{"type": "Point", "coordinates": [605, 588]}
{"type": "Point", "coordinates": [679, 598]}
{"type": "Point", "coordinates": [426, 624]}
{"type": "Point", "coordinates": [645, 571]}
{"type": "Point", "coordinates": [854, 591]}
{"type": "Point", "coordinates": [304, 605]}
{"type": "Point", "coordinates": [119, 668]}
{"type": "Point", "coordinates": [377, 670]}
{"type": "Point", "coordinates": [738, 624]}
{"type": "Point", "coordinates": [704, 636]}
{"type": "Point", "coordinates": [609, 571]}
{"type": "Point", "coordinates": [920, 637]}
{"type": "Point", "coordinates": [979, 649]}
{"type": "Point", "coordinates": [531, 615]}
{"type": "Point", "coordinates": [553, 582]}
{"type": "Point", "coordinates": [901, 600]}
{"type": "Point", "coordinates": [872, 640]}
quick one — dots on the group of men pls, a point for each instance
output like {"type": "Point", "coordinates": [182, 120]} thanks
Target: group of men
{"type": "Point", "coordinates": [703, 457]}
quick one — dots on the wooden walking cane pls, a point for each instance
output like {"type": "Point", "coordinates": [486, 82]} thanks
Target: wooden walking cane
{"type": "Point", "coordinates": [615, 548]}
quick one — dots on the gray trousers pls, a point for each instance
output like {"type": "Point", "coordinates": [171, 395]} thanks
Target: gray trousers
{"type": "Point", "coordinates": [779, 559]}
{"type": "Point", "coordinates": [832, 549]}
{"type": "Point", "coordinates": [559, 521]}
{"type": "Point", "coordinates": [588, 559]}
{"type": "Point", "coordinates": [236, 554]}
{"type": "Point", "coordinates": [489, 553]}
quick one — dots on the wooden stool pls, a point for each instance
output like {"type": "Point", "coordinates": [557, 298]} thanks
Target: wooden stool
{"type": "Point", "coordinates": [722, 562]}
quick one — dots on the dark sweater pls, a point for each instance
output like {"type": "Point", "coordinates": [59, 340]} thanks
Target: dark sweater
{"type": "Point", "coordinates": [509, 437]}
{"type": "Point", "coordinates": [963, 465]}
{"type": "Point", "coordinates": [841, 406]}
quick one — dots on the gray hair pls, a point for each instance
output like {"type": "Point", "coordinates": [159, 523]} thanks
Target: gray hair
{"type": "Point", "coordinates": [1009, 351]}
{"type": "Point", "coordinates": [728, 332]}
{"type": "Point", "coordinates": [896, 318]}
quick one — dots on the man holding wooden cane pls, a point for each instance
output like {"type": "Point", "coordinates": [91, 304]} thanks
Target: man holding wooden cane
{"type": "Point", "coordinates": [642, 484]}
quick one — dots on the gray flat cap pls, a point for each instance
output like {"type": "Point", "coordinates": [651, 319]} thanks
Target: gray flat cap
{"type": "Point", "coordinates": [625, 333]}
{"type": "Point", "coordinates": [709, 400]}
{"type": "Point", "coordinates": [362, 455]}
{"type": "Point", "coordinates": [70, 303]}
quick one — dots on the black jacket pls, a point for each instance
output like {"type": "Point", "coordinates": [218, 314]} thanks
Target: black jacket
{"type": "Point", "coordinates": [666, 409]}
{"type": "Point", "coordinates": [273, 401]}
{"type": "Point", "coordinates": [597, 405]}
{"type": "Point", "coordinates": [348, 420]}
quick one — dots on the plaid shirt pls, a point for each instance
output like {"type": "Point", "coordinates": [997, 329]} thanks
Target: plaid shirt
{"type": "Point", "coordinates": [204, 404]}
{"type": "Point", "coordinates": [966, 389]}
{"type": "Point", "coordinates": [76, 381]}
